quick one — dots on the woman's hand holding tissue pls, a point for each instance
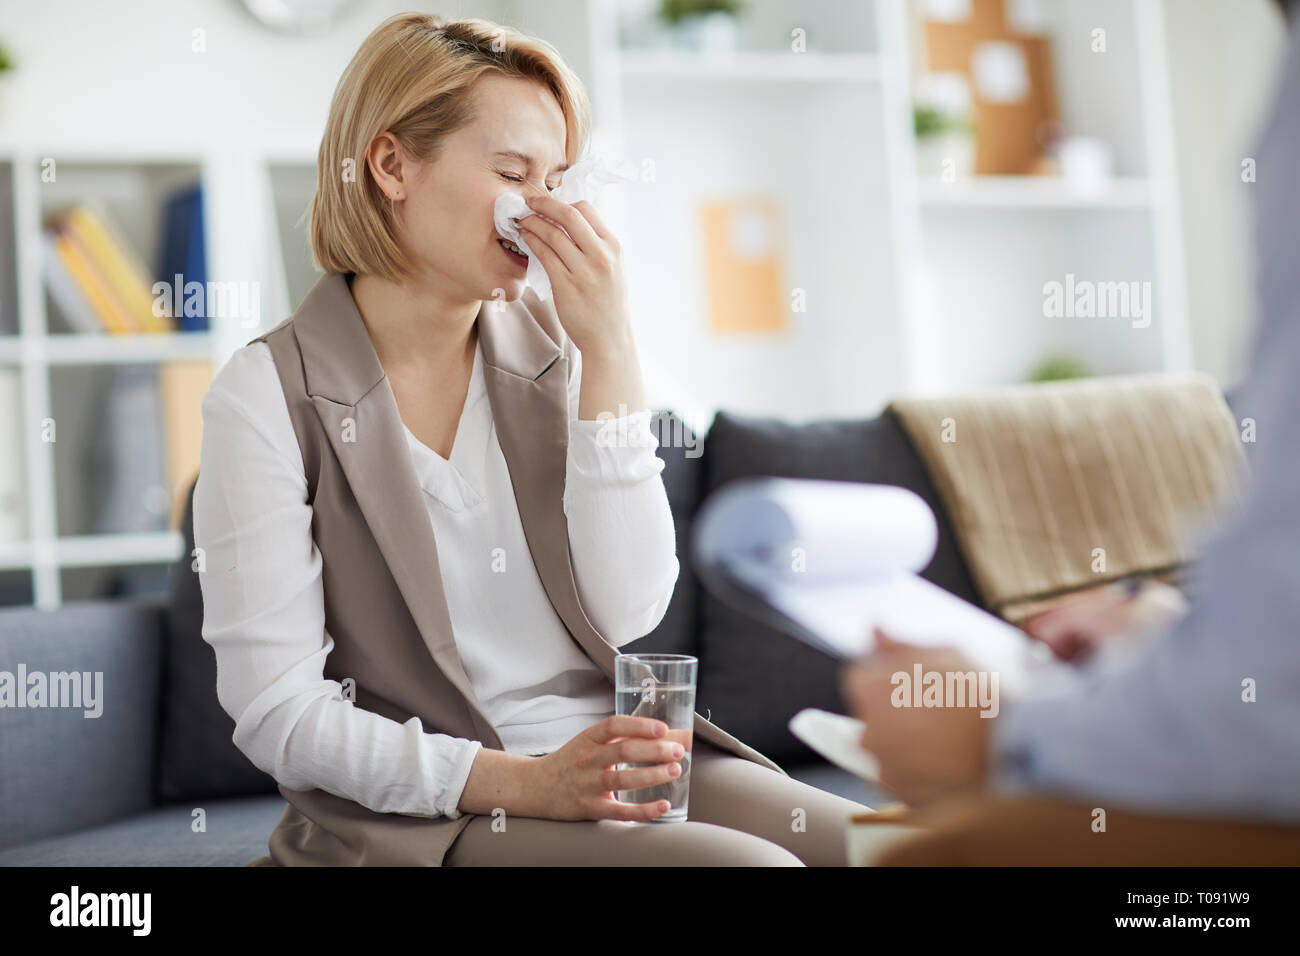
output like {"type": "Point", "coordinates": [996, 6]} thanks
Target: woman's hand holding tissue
{"type": "Point", "coordinates": [584, 262]}
{"type": "Point", "coordinates": [925, 751]}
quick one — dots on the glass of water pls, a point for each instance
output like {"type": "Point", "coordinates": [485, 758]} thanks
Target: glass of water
{"type": "Point", "coordinates": [661, 687]}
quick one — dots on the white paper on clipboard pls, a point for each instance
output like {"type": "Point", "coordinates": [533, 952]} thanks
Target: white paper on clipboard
{"type": "Point", "coordinates": [836, 559]}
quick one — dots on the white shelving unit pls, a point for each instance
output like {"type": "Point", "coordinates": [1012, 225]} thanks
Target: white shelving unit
{"type": "Point", "coordinates": [129, 182]}
{"type": "Point", "coordinates": [912, 285]}
{"type": "Point", "coordinates": [1033, 192]}
{"type": "Point", "coordinates": [743, 67]}
{"type": "Point", "coordinates": [988, 245]}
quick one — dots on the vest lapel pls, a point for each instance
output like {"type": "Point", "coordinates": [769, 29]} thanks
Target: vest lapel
{"type": "Point", "coordinates": [355, 402]}
{"type": "Point", "coordinates": [527, 382]}
{"type": "Point", "coordinates": [527, 376]}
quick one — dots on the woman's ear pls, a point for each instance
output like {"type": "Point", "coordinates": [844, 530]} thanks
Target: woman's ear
{"type": "Point", "coordinates": [384, 158]}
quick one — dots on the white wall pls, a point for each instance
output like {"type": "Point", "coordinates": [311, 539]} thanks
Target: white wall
{"type": "Point", "coordinates": [108, 73]}
{"type": "Point", "coordinates": [120, 73]}
{"type": "Point", "coordinates": [1223, 57]}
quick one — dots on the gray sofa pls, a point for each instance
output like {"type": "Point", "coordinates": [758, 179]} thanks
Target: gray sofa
{"type": "Point", "coordinates": [155, 780]}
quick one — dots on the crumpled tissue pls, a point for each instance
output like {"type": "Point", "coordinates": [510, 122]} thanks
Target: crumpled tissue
{"type": "Point", "coordinates": [578, 183]}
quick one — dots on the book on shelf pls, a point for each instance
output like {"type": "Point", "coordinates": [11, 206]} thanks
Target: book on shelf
{"type": "Point", "coordinates": [91, 271]}
{"type": "Point", "coordinates": [123, 474]}
{"type": "Point", "coordinates": [141, 448]}
{"type": "Point", "coordinates": [8, 269]}
{"type": "Point", "coordinates": [137, 456]}
{"type": "Point", "coordinates": [183, 249]}
{"type": "Point", "coordinates": [183, 385]}
{"type": "Point", "coordinates": [71, 303]}
{"type": "Point", "coordinates": [90, 224]}
{"type": "Point", "coordinates": [70, 257]}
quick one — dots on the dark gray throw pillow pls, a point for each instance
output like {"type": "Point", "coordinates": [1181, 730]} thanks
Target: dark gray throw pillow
{"type": "Point", "coordinates": [754, 678]}
{"type": "Point", "coordinates": [197, 758]}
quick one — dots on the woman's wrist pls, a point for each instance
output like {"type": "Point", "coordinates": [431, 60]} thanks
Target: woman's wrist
{"type": "Point", "coordinates": [501, 780]}
{"type": "Point", "coordinates": [611, 379]}
{"type": "Point", "coordinates": [613, 348]}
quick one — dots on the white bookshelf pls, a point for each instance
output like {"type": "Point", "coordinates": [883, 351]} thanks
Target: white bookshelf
{"type": "Point", "coordinates": [131, 182]}
{"type": "Point", "coordinates": [1033, 192]}
{"type": "Point", "coordinates": [914, 285]}
{"type": "Point", "coordinates": [93, 349]}
{"type": "Point", "coordinates": [986, 245]}
{"type": "Point", "coordinates": [674, 66]}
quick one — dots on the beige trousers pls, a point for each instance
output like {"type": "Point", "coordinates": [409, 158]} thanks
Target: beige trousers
{"type": "Point", "coordinates": [740, 814]}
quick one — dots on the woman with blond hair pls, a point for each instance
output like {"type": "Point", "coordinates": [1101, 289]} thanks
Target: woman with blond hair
{"type": "Point", "coordinates": [420, 555]}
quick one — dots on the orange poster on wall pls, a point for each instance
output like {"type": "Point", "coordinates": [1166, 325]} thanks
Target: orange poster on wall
{"type": "Point", "coordinates": [744, 249]}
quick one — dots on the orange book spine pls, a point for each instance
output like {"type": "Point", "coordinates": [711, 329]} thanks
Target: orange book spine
{"type": "Point", "coordinates": [120, 267]}
{"type": "Point", "coordinates": [112, 314]}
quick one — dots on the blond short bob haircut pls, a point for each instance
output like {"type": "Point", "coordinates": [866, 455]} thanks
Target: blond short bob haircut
{"type": "Point", "coordinates": [412, 77]}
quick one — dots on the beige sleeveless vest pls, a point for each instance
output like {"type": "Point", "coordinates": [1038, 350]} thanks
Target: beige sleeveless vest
{"type": "Point", "coordinates": [384, 603]}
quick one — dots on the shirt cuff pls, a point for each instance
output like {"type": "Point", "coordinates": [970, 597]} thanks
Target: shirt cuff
{"type": "Point", "coordinates": [1011, 753]}
{"type": "Point", "coordinates": [454, 768]}
{"type": "Point", "coordinates": [614, 451]}
{"type": "Point", "coordinates": [1028, 728]}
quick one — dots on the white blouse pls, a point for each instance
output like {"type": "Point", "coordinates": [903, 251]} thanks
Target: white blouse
{"type": "Point", "coordinates": [263, 597]}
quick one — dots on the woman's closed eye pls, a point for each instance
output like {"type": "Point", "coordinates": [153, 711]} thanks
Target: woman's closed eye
{"type": "Point", "coordinates": [520, 179]}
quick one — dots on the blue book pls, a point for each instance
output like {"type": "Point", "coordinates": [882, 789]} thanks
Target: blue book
{"type": "Point", "coordinates": [183, 249]}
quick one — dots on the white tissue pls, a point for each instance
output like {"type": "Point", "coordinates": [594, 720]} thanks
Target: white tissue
{"type": "Point", "coordinates": [578, 183]}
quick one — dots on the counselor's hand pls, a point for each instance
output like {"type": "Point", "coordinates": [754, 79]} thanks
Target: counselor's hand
{"type": "Point", "coordinates": [1075, 629]}
{"type": "Point", "coordinates": [924, 752]}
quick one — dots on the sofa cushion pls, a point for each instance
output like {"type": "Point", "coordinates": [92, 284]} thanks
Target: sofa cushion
{"type": "Point", "coordinates": [754, 678]}
{"type": "Point", "coordinates": [59, 768]}
{"type": "Point", "coordinates": [197, 756]}
{"type": "Point", "coordinates": [234, 832]}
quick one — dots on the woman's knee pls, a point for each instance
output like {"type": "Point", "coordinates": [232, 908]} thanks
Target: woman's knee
{"type": "Point", "coordinates": [531, 842]}
{"type": "Point", "coordinates": [706, 844]}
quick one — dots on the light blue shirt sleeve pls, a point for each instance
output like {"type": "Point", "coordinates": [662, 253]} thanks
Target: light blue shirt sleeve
{"type": "Point", "coordinates": [1204, 719]}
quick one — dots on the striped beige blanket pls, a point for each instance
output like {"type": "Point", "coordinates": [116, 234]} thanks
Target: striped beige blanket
{"type": "Point", "coordinates": [1060, 486]}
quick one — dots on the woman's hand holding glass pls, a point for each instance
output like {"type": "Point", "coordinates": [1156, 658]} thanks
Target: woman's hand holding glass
{"type": "Point", "coordinates": [579, 781]}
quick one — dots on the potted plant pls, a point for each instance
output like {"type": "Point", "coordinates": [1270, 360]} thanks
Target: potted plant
{"type": "Point", "coordinates": [945, 143]}
{"type": "Point", "coordinates": [702, 26]}
{"type": "Point", "coordinates": [6, 78]}
{"type": "Point", "coordinates": [1055, 368]}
